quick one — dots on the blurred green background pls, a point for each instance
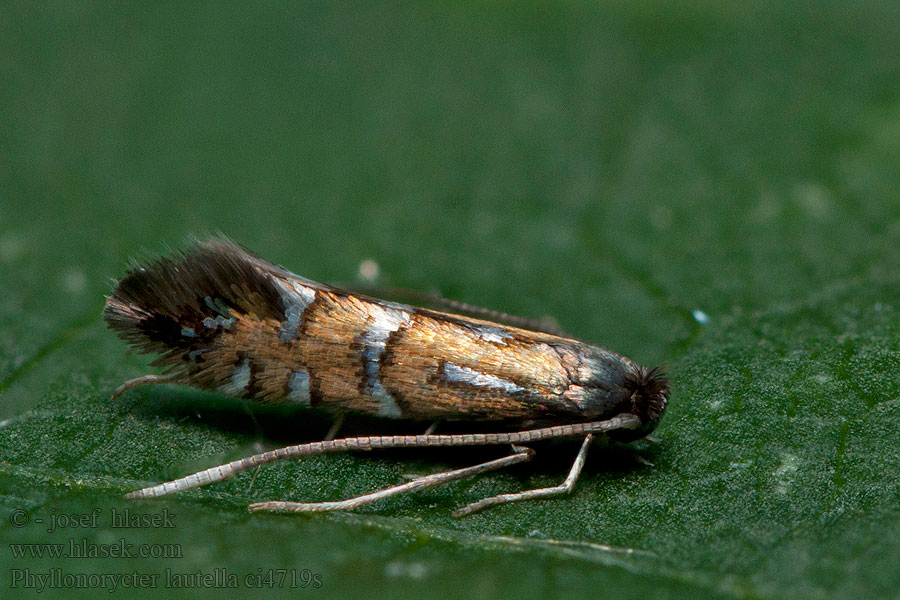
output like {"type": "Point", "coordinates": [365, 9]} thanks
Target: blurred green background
{"type": "Point", "coordinates": [618, 166]}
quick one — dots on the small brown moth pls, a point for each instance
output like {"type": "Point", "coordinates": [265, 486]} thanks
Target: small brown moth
{"type": "Point", "coordinates": [223, 319]}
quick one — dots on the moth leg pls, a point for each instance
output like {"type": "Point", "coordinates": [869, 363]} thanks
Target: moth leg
{"type": "Point", "coordinates": [521, 454]}
{"type": "Point", "coordinates": [143, 380]}
{"type": "Point", "coordinates": [564, 488]}
{"type": "Point", "coordinates": [643, 460]}
{"type": "Point", "coordinates": [428, 431]}
{"type": "Point", "coordinates": [338, 421]}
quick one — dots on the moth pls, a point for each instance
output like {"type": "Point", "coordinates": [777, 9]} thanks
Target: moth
{"type": "Point", "coordinates": [220, 318]}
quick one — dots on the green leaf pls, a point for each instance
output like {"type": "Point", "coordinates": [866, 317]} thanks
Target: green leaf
{"type": "Point", "coordinates": [710, 187]}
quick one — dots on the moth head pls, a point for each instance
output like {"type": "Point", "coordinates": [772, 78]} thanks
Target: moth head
{"type": "Point", "coordinates": [610, 385]}
{"type": "Point", "coordinates": [648, 391]}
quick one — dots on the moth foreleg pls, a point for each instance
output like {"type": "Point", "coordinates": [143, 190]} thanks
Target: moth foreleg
{"type": "Point", "coordinates": [564, 488]}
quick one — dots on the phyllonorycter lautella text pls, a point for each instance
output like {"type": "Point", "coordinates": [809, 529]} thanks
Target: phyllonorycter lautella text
{"type": "Point", "coordinates": [222, 319]}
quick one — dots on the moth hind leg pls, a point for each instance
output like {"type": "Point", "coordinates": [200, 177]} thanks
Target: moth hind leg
{"type": "Point", "coordinates": [142, 380]}
{"type": "Point", "coordinates": [564, 488]}
{"type": "Point", "coordinates": [520, 454]}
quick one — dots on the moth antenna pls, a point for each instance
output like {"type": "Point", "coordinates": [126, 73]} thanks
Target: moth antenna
{"type": "Point", "coordinates": [228, 470]}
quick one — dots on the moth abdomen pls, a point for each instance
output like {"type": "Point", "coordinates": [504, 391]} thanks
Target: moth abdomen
{"type": "Point", "coordinates": [212, 317]}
